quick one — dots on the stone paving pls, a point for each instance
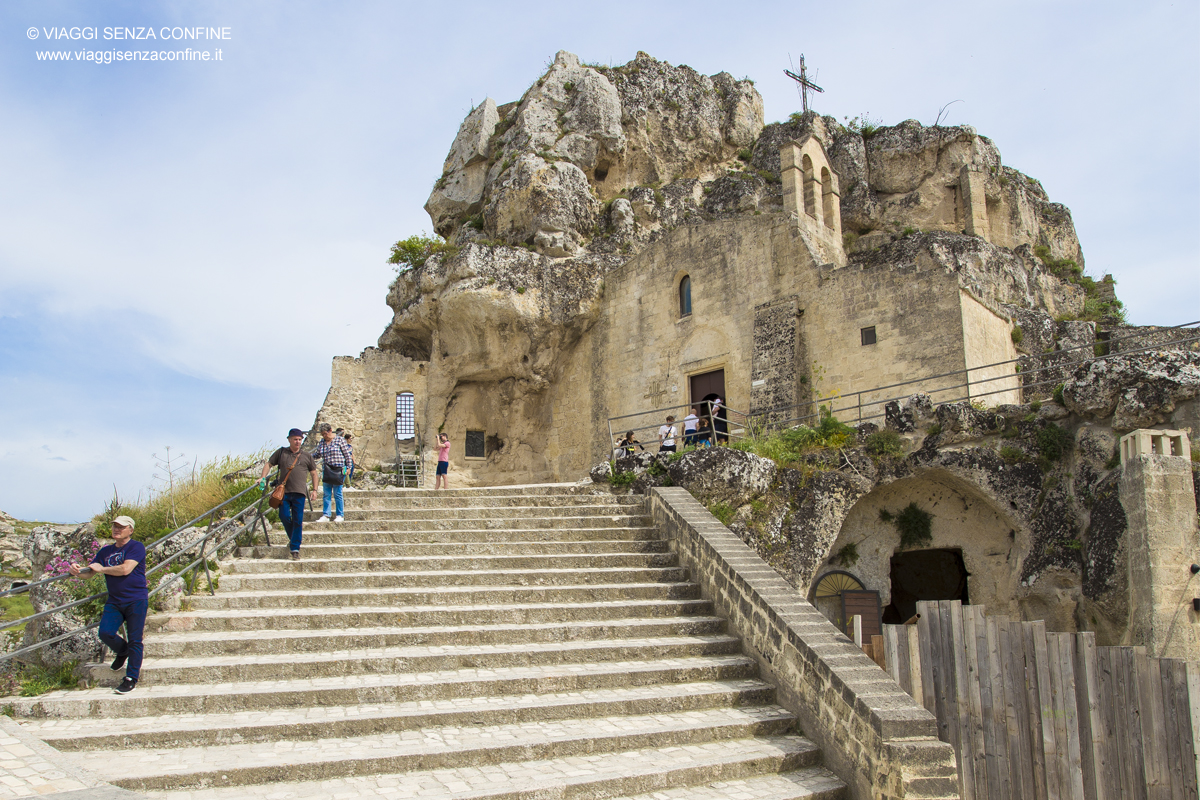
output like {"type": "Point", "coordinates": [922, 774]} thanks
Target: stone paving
{"type": "Point", "coordinates": [434, 648]}
{"type": "Point", "coordinates": [30, 768]}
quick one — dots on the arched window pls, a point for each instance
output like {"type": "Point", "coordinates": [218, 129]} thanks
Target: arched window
{"type": "Point", "coordinates": [827, 197]}
{"type": "Point", "coordinates": [406, 417]}
{"type": "Point", "coordinates": [685, 296]}
{"type": "Point", "coordinates": [810, 190]}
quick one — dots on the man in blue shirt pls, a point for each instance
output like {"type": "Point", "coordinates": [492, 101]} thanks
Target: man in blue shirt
{"type": "Point", "coordinates": [123, 565]}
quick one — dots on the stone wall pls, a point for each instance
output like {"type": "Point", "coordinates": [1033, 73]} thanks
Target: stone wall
{"type": "Point", "coordinates": [871, 733]}
{"type": "Point", "coordinates": [987, 339]}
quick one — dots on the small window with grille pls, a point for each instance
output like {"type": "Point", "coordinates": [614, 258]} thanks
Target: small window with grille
{"type": "Point", "coordinates": [868, 335]}
{"type": "Point", "coordinates": [406, 416]}
{"type": "Point", "coordinates": [474, 447]}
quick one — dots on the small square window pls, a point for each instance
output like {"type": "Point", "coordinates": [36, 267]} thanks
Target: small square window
{"type": "Point", "coordinates": [868, 335]}
{"type": "Point", "coordinates": [475, 445]}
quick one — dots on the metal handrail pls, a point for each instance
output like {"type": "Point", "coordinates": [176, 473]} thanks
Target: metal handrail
{"type": "Point", "coordinates": [832, 400]}
{"type": "Point", "coordinates": [214, 528]}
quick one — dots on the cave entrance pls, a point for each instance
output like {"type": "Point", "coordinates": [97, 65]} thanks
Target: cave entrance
{"type": "Point", "coordinates": [925, 575]}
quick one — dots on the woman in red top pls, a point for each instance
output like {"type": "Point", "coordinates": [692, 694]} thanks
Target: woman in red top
{"type": "Point", "coordinates": [443, 466]}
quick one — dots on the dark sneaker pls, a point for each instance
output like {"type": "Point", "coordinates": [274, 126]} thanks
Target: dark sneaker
{"type": "Point", "coordinates": [295, 555]}
{"type": "Point", "coordinates": [127, 684]}
{"type": "Point", "coordinates": [118, 662]}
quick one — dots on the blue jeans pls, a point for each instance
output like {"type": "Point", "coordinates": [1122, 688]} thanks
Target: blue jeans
{"type": "Point", "coordinates": [336, 490]}
{"type": "Point", "coordinates": [134, 616]}
{"type": "Point", "coordinates": [291, 514]}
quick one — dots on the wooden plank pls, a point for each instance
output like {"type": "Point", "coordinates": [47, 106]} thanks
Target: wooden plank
{"type": "Point", "coordinates": [914, 661]}
{"type": "Point", "coordinates": [927, 614]}
{"type": "Point", "coordinates": [996, 671]}
{"type": "Point", "coordinates": [1073, 779]}
{"type": "Point", "coordinates": [1112, 773]}
{"type": "Point", "coordinates": [950, 617]}
{"type": "Point", "coordinates": [1171, 719]}
{"type": "Point", "coordinates": [1129, 725]}
{"type": "Point", "coordinates": [1087, 705]}
{"type": "Point", "coordinates": [1154, 735]}
{"type": "Point", "coordinates": [1016, 695]}
{"type": "Point", "coordinates": [1034, 634]}
{"type": "Point", "coordinates": [891, 655]}
{"type": "Point", "coordinates": [1193, 701]}
{"type": "Point", "coordinates": [971, 621]}
{"type": "Point", "coordinates": [1053, 721]}
{"type": "Point", "coordinates": [990, 768]}
{"type": "Point", "coordinates": [877, 651]}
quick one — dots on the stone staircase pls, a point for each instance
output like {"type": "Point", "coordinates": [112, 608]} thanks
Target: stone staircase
{"type": "Point", "coordinates": [510, 643]}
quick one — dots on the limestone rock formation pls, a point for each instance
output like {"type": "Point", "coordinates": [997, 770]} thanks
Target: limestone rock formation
{"type": "Point", "coordinates": [536, 171]}
{"type": "Point", "coordinates": [1137, 391]}
{"type": "Point", "coordinates": [45, 543]}
{"type": "Point", "coordinates": [12, 543]}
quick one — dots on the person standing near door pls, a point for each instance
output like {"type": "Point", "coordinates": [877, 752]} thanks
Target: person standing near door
{"type": "Point", "coordinates": [666, 436]}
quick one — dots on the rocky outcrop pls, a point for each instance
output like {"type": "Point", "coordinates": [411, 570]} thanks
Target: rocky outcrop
{"type": "Point", "coordinates": [47, 545]}
{"type": "Point", "coordinates": [995, 275]}
{"type": "Point", "coordinates": [536, 172]}
{"type": "Point", "coordinates": [12, 543]}
{"type": "Point", "coordinates": [1137, 391]}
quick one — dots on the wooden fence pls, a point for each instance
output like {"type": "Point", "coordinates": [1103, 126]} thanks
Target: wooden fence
{"type": "Point", "coordinates": [1049, 716]}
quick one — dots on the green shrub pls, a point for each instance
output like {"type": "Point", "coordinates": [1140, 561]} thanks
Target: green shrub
{"type": "Point", "coordinates": [915, 525]}
{"type": "Point", "coordinates": [35, 680]}
{"type": "Point", "coordinates": [1054, 442]}
{"type": "Point", "coordinates": [1058, 395]}
{"type": "Point", "coordinates": [745, 154]}
{"type": "Point", "coordinates": [788, 447]}
{"type": "Point", "coordinates": [847, 555]}
{"type": "Point", "coordinates": [884, 443]}
{"type": "Point", "coordinates": [413, 252]}
{"type": "Point", "coordinates": [1018, 335]}
{"type": "Point", "coordinates": [1035, 406]}
{"type": "Point", "coordinates": [909, 232]}
{"type": "Point", "coordinates": [934, 429]}
{"type": "Point", "coordinates": [656, 469]}
{"type": "Point", "coordinates": [1013, 455]}
{"type": "Point", "coordinates": [622, 478]}
{"type": "Point", "coordinates": [723, 512]}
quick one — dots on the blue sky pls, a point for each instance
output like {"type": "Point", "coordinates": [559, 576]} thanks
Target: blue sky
{"type": "Point", "coordinates": [185, 246]}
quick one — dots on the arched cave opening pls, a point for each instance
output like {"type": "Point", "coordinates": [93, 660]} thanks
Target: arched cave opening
{"type": "Point", "coordinates": [925, 575]}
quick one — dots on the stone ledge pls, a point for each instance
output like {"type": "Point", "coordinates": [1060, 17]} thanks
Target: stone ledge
{"type": "Point", "coordinates": [885, 743]}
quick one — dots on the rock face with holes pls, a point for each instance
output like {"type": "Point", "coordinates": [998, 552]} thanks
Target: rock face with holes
{"type": "Point", "coordinates": [540, 642]}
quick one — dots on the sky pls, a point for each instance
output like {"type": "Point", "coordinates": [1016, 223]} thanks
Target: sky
{"type": "Point", "coordinates": [185, 246]}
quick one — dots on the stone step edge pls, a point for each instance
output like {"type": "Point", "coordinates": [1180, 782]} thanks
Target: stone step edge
{"type": "Point", "coordinates": [298, 723]}
{"type": "Point", "coordinates": [123, 768]}
{"type": "Point", "coordinates": [509, 680]}
{"type": "Point", "coordinates": [331, 611]}
{"type": "Point", "coordinates": [413, 652]}
{"type": "Point", "coordinates": [454, 590]}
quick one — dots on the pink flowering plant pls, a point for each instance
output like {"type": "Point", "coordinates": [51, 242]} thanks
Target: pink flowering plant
{"type": "Point", "coordinates": [76, 588]}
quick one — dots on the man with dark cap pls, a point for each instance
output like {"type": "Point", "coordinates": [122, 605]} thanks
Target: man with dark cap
{"type": "Point", "coordinates": [293, 463]}
{"type": "Point", "coordinates": [123, 565]}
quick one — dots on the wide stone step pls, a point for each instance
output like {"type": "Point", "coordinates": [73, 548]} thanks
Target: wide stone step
{"type": "Point", "coordinates": [813, 783]}
{"type": "Point", "coordinates": [198, 644]}
{"type": "Point", "coordinates": [481, 522]}
{"type": "Point", "coordinates": [580, 512]}
{"type": "Point", "coordinates": [187, 730]}
{"type": "Point", "coordinates": [275, 582]}
{"type": "Point", "coordinates": [357, 501]}
{"type": "Point", "coordinates": [316, 564]}
{"type": "Point", "coordinates": [335, 534]}
{"type": "Point", "coordinates": [431, 748]}
{"type": "Point", "coordinates": [460, 549]}
{"type": "Point", "coordinates": [389, 660]}
{"type": "Point", "coordinates": [572, 778]}
{"type": "Point", "coordinates": [349, 690]}
{"type": "Point", "coordinates": [417, 616]}
{"type": "Point", "coordinates": [445, 596]}
{"type": "Point", "coordinates": [522, 490]}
